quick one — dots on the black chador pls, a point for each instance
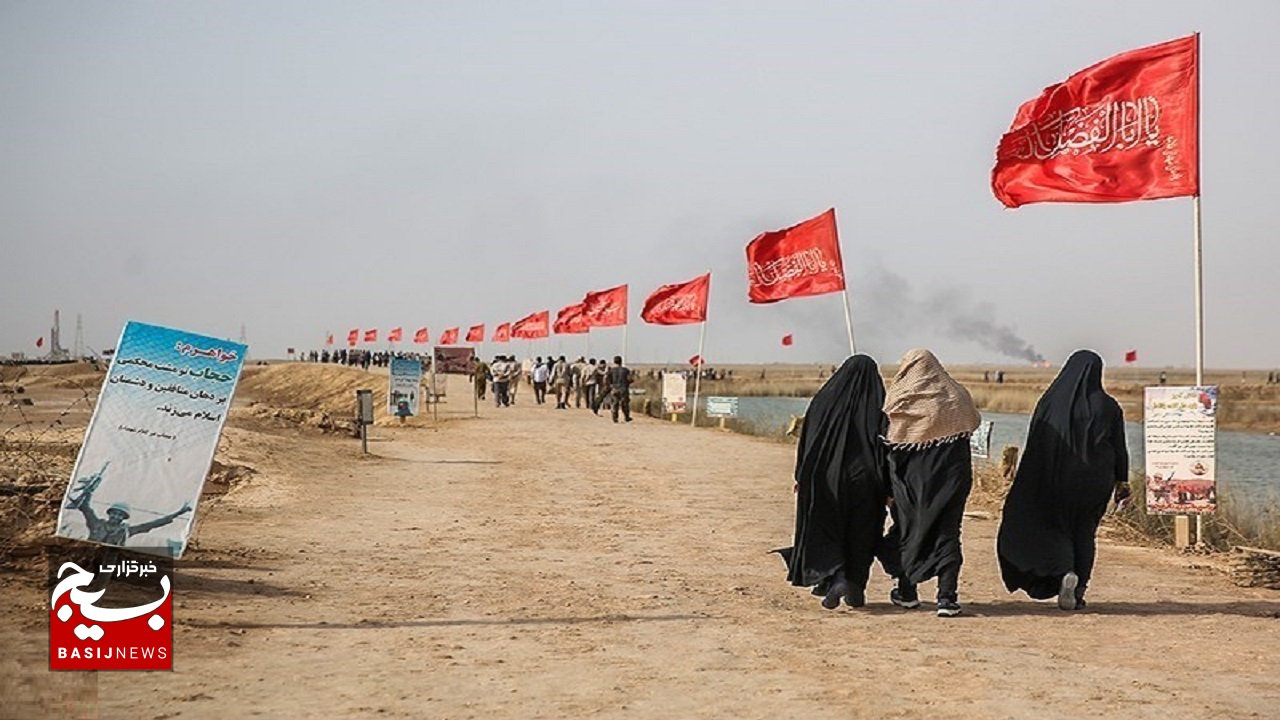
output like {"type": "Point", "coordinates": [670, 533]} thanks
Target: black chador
{"type": "Point", "coordinates": [1075, 457]}
{"type": "Point", "coordinates": [841, 486]}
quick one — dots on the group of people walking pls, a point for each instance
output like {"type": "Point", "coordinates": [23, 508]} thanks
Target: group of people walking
{"type": "Point", "coordinates": [867, 453]}
{"type": "Point", "coordinates": [594, 384]}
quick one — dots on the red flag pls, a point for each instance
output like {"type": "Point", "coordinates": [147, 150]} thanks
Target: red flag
{"type": "Point", "coordinates": [571, 321]}
{"type": "Point", "coordinates": [329, 339]}
{"type": "Point", "coordinates": [532, 327]}
{"type": "Point", "coordinates": [353, 337]}
{"type": "Point", "coordinates": [1124, 129]}
{"type": "Point", "coordinates": [40, 341]}
{"type": "Point", "coordinates": [606, 308]}
{"type": "Point", "coordinates": [1131, 356]}
{"type": "Point", "coordinates": [787, 340]}
{"type": "Point", "coordinates": [678, 304]}
{"type": "Point", "coordinates": [371, 335]}
{"type": "Point", "coordinates": [395, 334]}
{"type": "Point", "coordinates": [502, 333]}
{"type": "Point", "coordinates": [475, 334]}
{"type": "Point", "coordinates": [801, 260]}
{"type": "Point", "coordinates": [421, 336]}
{"type": "Point", "coordinates": [449, 337]}
{"type": "Point", "coordinates": [696, 360]}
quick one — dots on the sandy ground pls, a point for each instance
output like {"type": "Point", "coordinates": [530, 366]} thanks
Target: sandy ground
{"type": "Point", "coordinates": [535, 563]}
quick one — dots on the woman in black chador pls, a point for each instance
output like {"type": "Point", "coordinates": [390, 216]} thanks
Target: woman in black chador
{"type": "Point", "coordinates": [1075, 459]}
{"type": "Point", "coordinates": [930, 419]}
{"type": "Point", "coordinates": [841, 486]}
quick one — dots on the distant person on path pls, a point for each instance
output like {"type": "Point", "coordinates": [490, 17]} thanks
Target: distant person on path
{"type": "Point", "coordinates": [540, 374]}
{"type": "Point", "coordinates": [930, 419]}
{"type": "Point", "coordinates": [842, 484]}
{"type": "Point", "coordinates": [1075, 460]}
{"type": "Point", "coordinates": [579, 374]}
{"type": "Point", "coordinates": [620, 389]}
{"type": "Point", "coordinates": [501, 370]}
{"type": "Point", "coordinates": [560, 382]}
{"type": "Point", "coordinates": [480, 376]}
{"type": "Point", "coordinates": [601, 374]}
{"type": "Point", "coordinates": [1164, 377]}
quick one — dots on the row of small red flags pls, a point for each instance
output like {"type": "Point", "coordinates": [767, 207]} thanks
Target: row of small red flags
{"type": "Point", "coordinates": [1124, 129]}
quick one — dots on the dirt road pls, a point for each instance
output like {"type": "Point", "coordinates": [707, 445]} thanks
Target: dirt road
{"type": "Point", "coordinates": [543, 563]}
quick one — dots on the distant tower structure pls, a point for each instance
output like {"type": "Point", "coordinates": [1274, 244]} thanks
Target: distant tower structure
{"type": "Point", "coordinates": [244, 340]}
{"type": "Point", "coordinates": [78, 351]}
{"type": "Point", "coordinates": [56, 352]}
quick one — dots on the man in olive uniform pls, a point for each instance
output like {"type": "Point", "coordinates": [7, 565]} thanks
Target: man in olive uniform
{"type": "Point", "coordinates": [620, 389]}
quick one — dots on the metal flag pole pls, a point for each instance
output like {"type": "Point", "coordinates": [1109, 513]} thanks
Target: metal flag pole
{"type": "Point", "coordinates": [1199, 270]}
{"type": "Point", "coordinates": [697, 374]}
{"type": "Point", "coordinates": [697, 369]}
{"type": "Point", "coordinates": [848, 322]}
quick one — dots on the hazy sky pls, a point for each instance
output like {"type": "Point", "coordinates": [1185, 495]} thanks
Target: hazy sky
{"type": "Point", "coordinates": [303, 167]}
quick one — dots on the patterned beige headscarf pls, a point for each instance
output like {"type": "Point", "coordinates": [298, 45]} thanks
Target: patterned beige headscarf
{"type": "Point", "coordinates": [925, 405]}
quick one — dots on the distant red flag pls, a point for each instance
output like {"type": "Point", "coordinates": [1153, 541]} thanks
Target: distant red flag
{"type": "Point", "coordinates": [502, 333]}
{"type": "Point", "coordinates": [40, 341]}
{"type": "Point", "coordinates": [353, 337]}
{"type": "Point", "coordinates": [329, 339]}
{"type": "Point", "coordinates": [696, 360]}
{"type": "Point", "coordinates": [571, 321]}
{"type": "Point", "coordinates": [606, 308]}
{"type": "Point", "coordinates": [421, 336]}
{"type": "Point", "coordinates": [395, 334]}
{"type": "Point", "coordinates": [1131, 356]}
{"type": "Point", "coordinates": [1123, 129]}
{"type": "Point", "coordinates": [449, 337]}
{"type": "Point", "coordinates": [678, 304]}
{"type": "Point", "coordinates": [801, 260]}
{"type": "Point", "coordinates": [475, 334]}
{"type": "Point", "coordinates": [787, 340]}
{"type": "Point", "coordinates": [371, 335]}
{"type": "Point", "coordinates": [533, 326]}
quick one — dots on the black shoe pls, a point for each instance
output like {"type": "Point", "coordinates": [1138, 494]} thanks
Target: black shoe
{"type": "Point", "coordinates": [856, 598]}
{"type": "Point", "coordinates": [1080, 603]}
{"type": "Point", "coordinates": [909, 600]}
{"type": "Point", "coordinates": [948, 607]}
{"type": "Point", "coordinates": [1067, 593]}
{"type": "Point", "coordinates": [628, 419]}
{"type": "Point", "coordinates": [838, 590]}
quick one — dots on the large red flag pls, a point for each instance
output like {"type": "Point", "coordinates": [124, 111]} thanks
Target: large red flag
{"type": "Point", "coordinates": [571, 321]}
{"type": "Point", "coordinates": [449, 337]}
{"type": "Point", "coordinates": [678, 304]}
{"type": "Point", "coordinates": [395, 335]}
{"type": "Point", "coordinates": [606, 308]}
{"type": "Point", "coordinates": [1131, 356]}
{"type": "Point", "coordinates": [353, 337]}
{"type": "Point", "coordinates": [421, 336]}
{"type": "Point", "coordinates": [1124, 129]}
{"type": "Point", "coordinates": [371, 335]}
{"type": "Point", "coordinates": [787, 340]}
{"type": "Point", "coordinates": [502, 333]}
{"type": "Point", "coordinates": [532, 327]}
{"type": "Point", "coordinates": [801, 260]}
{"type": "Point", "coordinates": [475, 334]}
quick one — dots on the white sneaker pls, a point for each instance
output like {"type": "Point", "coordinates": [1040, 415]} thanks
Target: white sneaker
{"type": "Point", "coordinates": [1067, 593]}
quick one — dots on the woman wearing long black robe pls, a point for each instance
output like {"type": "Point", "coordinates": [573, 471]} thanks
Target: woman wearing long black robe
{"type": "Point", "coordinates": [930, 419]}
{"type": "Point", "coordinates": [841, 487]}
{"type": "Point", "coordinates": [1076, 458]}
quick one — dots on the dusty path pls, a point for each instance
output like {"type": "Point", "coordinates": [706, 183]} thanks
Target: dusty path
{"type": "Point", "coordinates": [542, 563]}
